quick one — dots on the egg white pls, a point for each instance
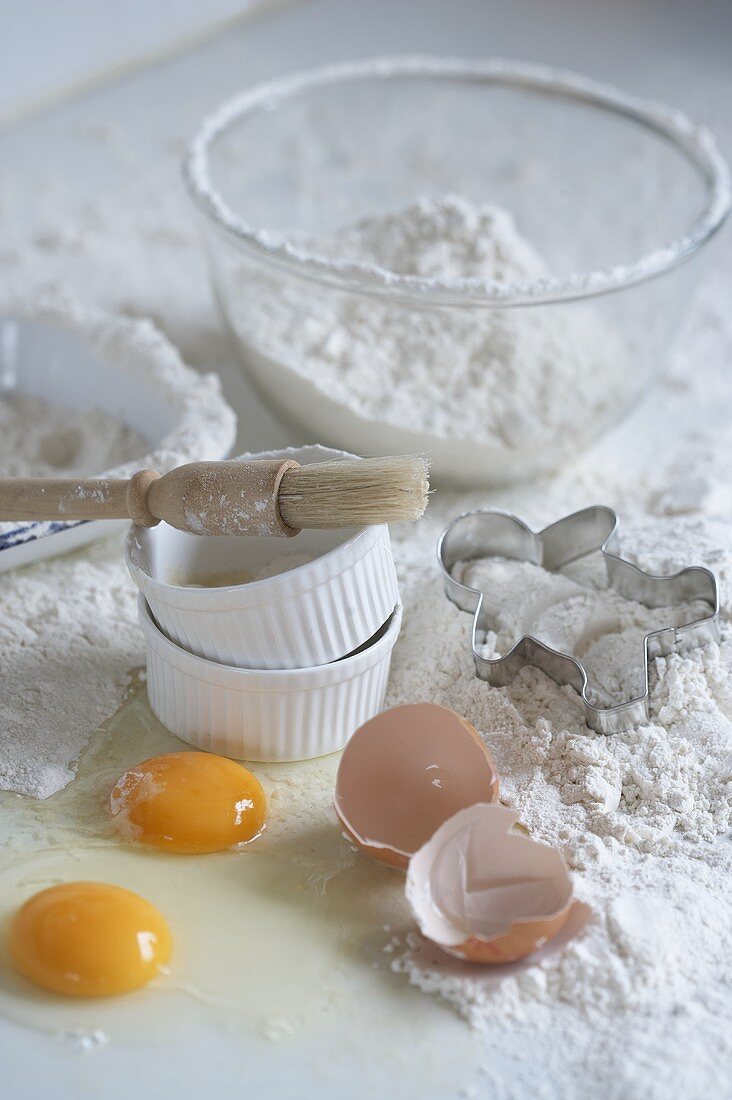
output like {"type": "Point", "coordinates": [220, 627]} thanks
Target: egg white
{"type": "Point", "coordinates": [275, 937]}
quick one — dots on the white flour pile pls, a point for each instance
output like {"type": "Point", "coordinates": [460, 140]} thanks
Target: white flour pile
{"type": "Point", "coordinates": [509, 378]}
{"type": "Point", "coordinates": [68, 641]}
{"type": "Point", "coordinates": [643, 818]}
{"type": "Point", "coordinates": [38, 439]}
{"type": "Point", "coordinates": [68, 631]}
{"type": "Point", "coordinates": [185, 410]}
{"type": "Point", "coordinates": [576, 612]}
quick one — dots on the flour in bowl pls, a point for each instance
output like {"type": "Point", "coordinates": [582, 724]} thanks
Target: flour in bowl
{"type": "Point", "coordinates": [45, 439]}
{"type": "Point", "coordinates": [514, 378]}
{"type": "Point", "coordinates": [40, 439]}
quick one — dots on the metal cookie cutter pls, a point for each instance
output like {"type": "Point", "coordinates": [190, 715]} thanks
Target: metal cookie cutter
{"type": "Point", "coordinates": [486, 534]}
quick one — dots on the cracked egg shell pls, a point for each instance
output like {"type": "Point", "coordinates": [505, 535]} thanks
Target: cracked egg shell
{"type": "Point", "coordinates": [484, 893]}
{"type": "Point", "coordinates": [404, 773]}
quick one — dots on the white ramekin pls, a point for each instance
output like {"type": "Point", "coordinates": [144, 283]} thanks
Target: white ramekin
{"type": "Point", "coordinates": [255, 714]}
{"type": "Point", "coordinates": [311, 615]}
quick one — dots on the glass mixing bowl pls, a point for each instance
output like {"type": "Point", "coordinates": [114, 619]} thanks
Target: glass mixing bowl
{"type": "Point", "coordinates": [496, 381]}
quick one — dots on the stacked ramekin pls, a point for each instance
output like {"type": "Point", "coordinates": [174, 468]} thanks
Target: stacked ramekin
{"type": "Point", "coordinates": [281, 668]}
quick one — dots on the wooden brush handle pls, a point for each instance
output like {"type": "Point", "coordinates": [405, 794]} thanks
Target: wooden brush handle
{"type": "Point", "coordinates": [206, 498]}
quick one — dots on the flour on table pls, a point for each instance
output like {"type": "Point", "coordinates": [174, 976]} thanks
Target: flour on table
{"type": "Point", "coordinates": [576, 612]}
{"type": "Point", "coordinates": [636, 1007]}
{"type": "Point", "coordinates": [509, 378]}
{"type": "Point", "coordinates": [642, 816]}
{"type": "Point", "coordinates": [68, 640]}
{"type": "Point", "coordinates": [68, 632]}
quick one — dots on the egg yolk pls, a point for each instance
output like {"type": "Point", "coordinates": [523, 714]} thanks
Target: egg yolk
{"type": "Point", "coordinates": [88, 939]}
{"type": "Point", "coordinates": [189, 802]}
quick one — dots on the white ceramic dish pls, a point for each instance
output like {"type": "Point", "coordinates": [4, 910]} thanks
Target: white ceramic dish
{"type": "Point", "coordinates": [84, 358]}
{"type": "Point", "coordinates": [256, 714]}
{"type": "Point", "coordinates": [310, 615]}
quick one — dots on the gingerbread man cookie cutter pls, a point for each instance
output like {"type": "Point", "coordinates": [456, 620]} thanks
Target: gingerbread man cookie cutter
{"type": "Point", "coordinates": [494, 534]}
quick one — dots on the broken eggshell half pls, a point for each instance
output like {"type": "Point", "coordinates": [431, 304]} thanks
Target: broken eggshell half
{"type": "Point", "coordinates": [484, 893]}
{"type": "Point", "coordinates": [404, 773]}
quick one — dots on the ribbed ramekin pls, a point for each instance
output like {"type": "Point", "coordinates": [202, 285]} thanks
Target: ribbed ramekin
{"type": "Point", "coordinates": [310, 615]}
{"type": "Point", "coordinates": [256, 714]}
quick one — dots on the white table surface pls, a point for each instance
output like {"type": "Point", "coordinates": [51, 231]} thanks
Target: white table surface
{"type": "Point", "coordinates": [53, 47]}
{"type": "Point", "coordinates": [670, 50]}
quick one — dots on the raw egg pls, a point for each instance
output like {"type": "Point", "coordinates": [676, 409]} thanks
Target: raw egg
{"type": "Point", "coordinates": [404, 773]}
{"type": "Point", "coordinates": [484, 893]}
{"type": "Point", "coordinates": [189, 802]}
{"type": "Point", "coordinates": [88, 939]}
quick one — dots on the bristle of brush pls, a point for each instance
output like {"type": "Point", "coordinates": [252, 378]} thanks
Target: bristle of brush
{"type": "Point", "coordinates": [354, 494]}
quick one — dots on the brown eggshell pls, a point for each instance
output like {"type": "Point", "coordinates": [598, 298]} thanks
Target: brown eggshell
{"type": "Point", "coordinates": [404, 773]}
{"type": "Point", "coordinates": [519, 941]}
{"type": "Point", "coordinates": [484, 893]}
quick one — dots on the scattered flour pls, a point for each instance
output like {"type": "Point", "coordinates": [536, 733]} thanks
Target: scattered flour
{"type": "Point", "coordinates": [68, 630]}
{"type": "Point", "coordinates": [575, 612]}
{"type": "Point", "coordinates": [68, 640]}
{"type": "Point", "coordinates": [638, 1006]}
{"type": "Point", "coordinates": [510, 378]}
{"type": "Point", "coordinates": [643, 817]}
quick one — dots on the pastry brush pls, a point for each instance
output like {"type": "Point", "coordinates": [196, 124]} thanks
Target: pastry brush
{"type": "Point", "coordinates": [263, 497]}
